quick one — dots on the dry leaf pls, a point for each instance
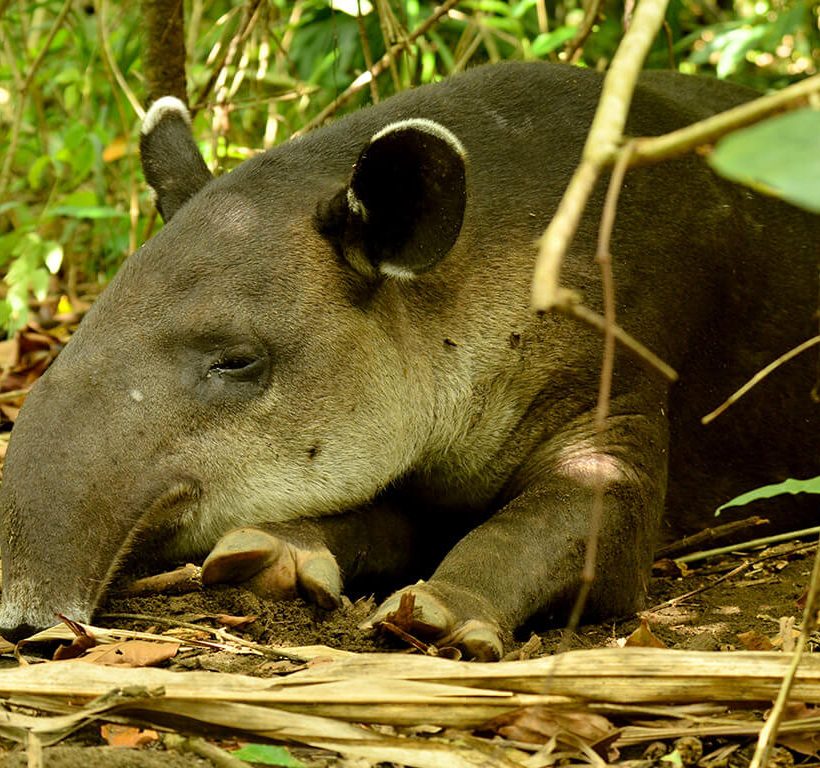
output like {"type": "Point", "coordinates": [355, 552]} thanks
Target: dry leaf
{"type": "Point", "coordinates": [131, 653]}
{"type": "Point", "coordinates": [667, 567]}
{"type": "Point", "coordinates": [754, 641]}
{"type": "Point", "coordinates": [117, 149]}
{"type": "Point", "coordinates": [9, 352]}
{"type": "Point", "coordinates": [83, 641]}
{"type": "Point", "coordinates": [642, 637]}
{"type": "Point", "coordinates": [127, 737]}
{"type": "Point", "coordinates": [536, 725]}
{"type": "Point", "coordinates": [234, 621]}
{"type": "Point", "coordinates": [804, 743]}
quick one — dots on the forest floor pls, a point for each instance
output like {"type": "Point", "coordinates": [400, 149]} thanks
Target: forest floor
{"type": "Point", "coordinates": [712, 606]}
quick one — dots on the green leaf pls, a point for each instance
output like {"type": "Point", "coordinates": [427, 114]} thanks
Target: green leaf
{"type": "Point", "coordinates": [547, 42]}
{"type": "Point", "coordinates": [267, 754]}
{"type": "Point", "coordinates": [86, 212]}
{"type": "Point", "coordinates": [779, 157]}
{"type": "Point", "coordinates": [10, 205]}
{"type": "Point", "coordinates": [769, 491]}
{"type": "Point", "coordinates": [35, 172]}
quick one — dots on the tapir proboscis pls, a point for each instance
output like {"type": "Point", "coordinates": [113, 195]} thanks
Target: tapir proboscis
{"type": "Point", "coordinates": [324, 369]}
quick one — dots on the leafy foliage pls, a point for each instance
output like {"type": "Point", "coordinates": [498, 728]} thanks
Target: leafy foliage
{"type": "Point", "coordinates": [72, 205]}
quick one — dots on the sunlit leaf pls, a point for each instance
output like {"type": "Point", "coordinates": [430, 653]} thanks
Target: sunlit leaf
{"type": "Point", "coordinates": [547, 42]}
{"type": "Point", "coordinates": [36, 171]}
{"type": "Point", "coordinates": [769, 491]}
{"type": "Point", "coordinates": [86, 212]}
{"type": "Point", "coordinates": [779, 156]}
{"type": "Point", "coordinates": [54, 256]}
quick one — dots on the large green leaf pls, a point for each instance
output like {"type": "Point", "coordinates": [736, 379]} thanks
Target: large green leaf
{"type": "Point", "coordinates": [780, 157]}
{"type": "Point", "coordinates": [769, 491]}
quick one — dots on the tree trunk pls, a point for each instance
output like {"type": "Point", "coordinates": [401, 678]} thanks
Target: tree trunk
{"type": "Point", "coordinates": [164, 49]}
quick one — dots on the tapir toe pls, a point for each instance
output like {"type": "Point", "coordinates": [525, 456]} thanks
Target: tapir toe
{"type": "Point", "coordinates": [274, 568]}
{"type": "Point", "coordinates": [443, 616]}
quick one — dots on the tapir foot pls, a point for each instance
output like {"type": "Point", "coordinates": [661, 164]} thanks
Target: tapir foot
{"type": "Point", "coordinates": [274, 568]}
{"type": "Point", "coordinates": [445, 616]}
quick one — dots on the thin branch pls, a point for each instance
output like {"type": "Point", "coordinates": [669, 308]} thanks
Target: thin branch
{"type": "Point", "coordinates": [17, 120]}
{"type": "Point", "coordinates": [237, 41]}
{"type": "Point", "coordinates": [761, 542]}
{"type": "Point", "coordinates": [604, 135]}
{"type": "Point", "coordinates": [688, 543]}
{"type": "Point", "coordinates": [655, 148]}
{"type": "Point", "coordinates": [759, 376]}
{"type": "Point", "coordinates": [574, 47]}
{"type": "Point", "coordinates": [604, 259]}
{"type": "Point", "coordinates": [379, 67]}
{"type": "Point", "coordinates": [643, 354]}
{"type": "Point", "coordinates": [111, 63]}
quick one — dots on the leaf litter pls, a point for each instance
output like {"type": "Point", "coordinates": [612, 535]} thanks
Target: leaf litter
{"type": "Point", "coordinates": [353, 698]}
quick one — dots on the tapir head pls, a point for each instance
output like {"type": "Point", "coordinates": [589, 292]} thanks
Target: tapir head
{"type": "Point", "coordinates": [252, 362]}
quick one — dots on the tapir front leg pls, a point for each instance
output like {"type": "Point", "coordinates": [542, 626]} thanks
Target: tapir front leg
{"type": "Point", "coordinates": [527, 559]}
{"type": "Point", "coordinates": [316, 559]}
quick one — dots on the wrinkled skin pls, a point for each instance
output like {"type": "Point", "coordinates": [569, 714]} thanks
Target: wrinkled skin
{"type": "Point", "coordinates": [368, 395]}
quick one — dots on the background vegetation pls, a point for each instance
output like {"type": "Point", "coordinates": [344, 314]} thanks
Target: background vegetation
{"type": "Point", "coordinates": [72, 202]}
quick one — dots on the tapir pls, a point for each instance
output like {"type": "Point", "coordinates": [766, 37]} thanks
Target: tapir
{"type": "Point", "coordinates": [325, 370]}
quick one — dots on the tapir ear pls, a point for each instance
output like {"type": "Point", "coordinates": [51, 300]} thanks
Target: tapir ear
{"type": "Point", "coordinates": [403, 209]}
{"type": "Point", "coordinates": [170, 159]}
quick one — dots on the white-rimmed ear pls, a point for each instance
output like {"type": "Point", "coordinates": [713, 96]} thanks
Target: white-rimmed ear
{"type": "Point", "coordinates": [171, 161]}
{"type": "Point", "coordinates": [403, 209]}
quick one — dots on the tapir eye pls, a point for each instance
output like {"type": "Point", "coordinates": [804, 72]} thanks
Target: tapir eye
{"type": "Point", "coordinates": [238, 368]}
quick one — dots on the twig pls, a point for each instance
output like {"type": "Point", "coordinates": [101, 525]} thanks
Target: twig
{"type": "Point", "coordinates": [111, 62]}
{"type": "Point", "coordinates": [368, 54]}
{"type": "Point", "coordinates": [643, 354]}
{"type": "Point", "coordinates": [188, 578]}
{"type": "Point", "coordinates": [707, 534]}
{"type": "Point", "coordinates": [604, 259]}
{"type": "Point", "coordinates": [34, 750]}
{"type": "Point", "coordinates": [238, 39]}
{"type": "Point", "coordinates": [13, 394]}
{"type": "Point", "coordinates": [604, 134]}
{"type": "Point", "coordinates": [759, 376]}
{"type": "Point", "coordinates": [17, 120]}
{"type": "Point", "coordinates": [655, 148]}
{"type": "Point", "coordinates": [379, 67]}
{"type": "Point", "coordinates": [219, 633]}
{"type": "Point", "coordinates": [761, 542]}
{"type": "Point", "coordinates": [574, 47]}
{"type": "Point", "coordinates": [768, 733]}
{"type": "Point", "coordinates": [703, 588]}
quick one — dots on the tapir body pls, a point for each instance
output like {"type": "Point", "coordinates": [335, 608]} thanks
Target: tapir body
{"type": "Point", "coordinates": [331, 348]}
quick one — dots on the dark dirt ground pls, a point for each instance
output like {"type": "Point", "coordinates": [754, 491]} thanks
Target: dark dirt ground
{"type": "Point", "coordinates": [755, 601]}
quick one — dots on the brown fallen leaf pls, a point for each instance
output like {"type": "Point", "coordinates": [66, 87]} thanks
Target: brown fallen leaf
{"type": "Point", "coordinates": [131, 653]}
{"type": "Point", "coordinates": [126, 736]}
{"type": "Point", "coordinates": [805, 743]}
{"type": "Point", "coordinates": [668, 567]}
{"type": "Point", "coordinates": [234, 621]}
{"type": "Point", "coordinates": [83, 641]}
{"type": "Point", "coordinates": [643, 637]}
{"type": "Point", "coordinates": [536, 725]}
{"type": "Point", "coordinates": [754, 641]}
